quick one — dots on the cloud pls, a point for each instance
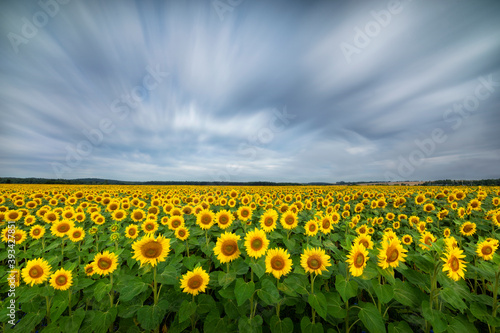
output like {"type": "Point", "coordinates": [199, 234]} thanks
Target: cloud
{"type": "Point", "coordinates": [214, 115]}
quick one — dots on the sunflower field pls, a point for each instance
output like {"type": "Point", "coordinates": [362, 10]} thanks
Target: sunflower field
{"type": "Point", "coordinates": [249, 259]}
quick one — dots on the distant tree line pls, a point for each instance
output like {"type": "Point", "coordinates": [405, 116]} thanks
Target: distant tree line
{"type": "Point", "coordinates": [452, 182]}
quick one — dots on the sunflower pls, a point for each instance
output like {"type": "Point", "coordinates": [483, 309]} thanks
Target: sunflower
{"type": "Point", "coordinates": [182, 233]}
{"type": "Point", "coordinates": [407, 239]}
{"type": "Point", "coordinates": [20, 236]}
{"type": "Point", "coordinates": [311, 228]}
{"type": "Point", "coordinates": [119, 215]}
{"type": "Point", "coordinates": [426, 240]}
{"type": "Point", "coordinates": [149, 226]}
{"type": "Point", "coordinates": [420, 199]}
{"type": "Point", "coordinates": [150, 250]}
{"type": "Point", "coordinates": [486, 249]}
{"type": "Point", "coordinates": [244, 213]}
{"type": "Point", "coordinates": [450, 243]}
{"type": "Point", "coordinates": [357, 258]}
{"type": "Point", "coordinates": [362, 230]}
{"type": "Point", "coordinates": [289, 220]}
{"type": "Point", "coordinates": [14, 278]}
{"type": "Point", "coordinates": [36, 271]}
{"type": "Point", "coordinates": [421, 226]}
{"type": "Point", "coordinates": [278, 262]}
{"type": "Point", "coordinates": [89, 269]}
{"type": "Point", "coordinates": [224, 219]}
{"type": "Point", "coordinates": [175, 222]}
{"type": "Point", "coordinates": [429, 207]}
{"type": "Point", "coordinates": [29, 220]}
{"type": "Point", "coordinates": [389, 235]}
{"type": "Point", "coordinates": [13, 215]}
{"type": "Point", "coordinates": [226, 247]}
{"type": "Point", "coordinates": [105, 263]}
{"type": "Point", "coordinates": [61, 228]}
{"type": "Point", "coordinates": [326, 224]}
{"type": "Point", "coordinates": [50, 217]}
{"type": "Point", "coordinates": [61, 279]}
{"type": "Point", "coordinates": [268, 220]}
{"type": "Point", "coordinates": [76, 234]}
{"type": "Point", "coordinates": [195, 281]}
{"type": "Point", "coordinates": [391, 253]}
{"type": "Point", "coordinates": [205, 219]}
{"type": "Point", "coordinates": [365, 240]}
{"type": "Point", "coordinates": [468, 229]}
{"type": "Point", "coordinates": [131, 231]}
{"type": "Point", "coordinates": [446, 232]}
{"type": "Point", "coordinates": [454, 264]}
{"type": "Point", "coordinates": [256, 243]}
{"type": "Point", "coordinates": [315, 260]}
{"type": "Point", "coordinates": [138, 215]}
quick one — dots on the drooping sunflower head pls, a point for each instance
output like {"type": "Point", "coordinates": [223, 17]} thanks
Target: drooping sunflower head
{"type": "Point", "coordinates": [315, 260]}
{"type": "Point", "coordinates": [61, 279]}
{"type": "Point", "coordinates": [454, 265]}
{"type": "Point", "coordinates": [151, 250]}
{"type": "Point", "coordinates": [105, 263]}
{"type": "Point", "coordinates": [391, 253]}
{"type": "Point", "coordinates": [278, 262]}
{"type": "Point", "coordinates": [205, 219]}
{"type": "Point", "coordinates": [182, 233]}
{"type": "Point", "coordinates": [268, 220]}
{"type": "Point", "coordinates": [357, 258]}
{"type": "Point", "coordinates": [468, 229]}
{"type": "Point", "coordinates": [256, 243]}
{"type": "Point", "coordinates": [226, 247]}
{"type": "Point", "coordinates": [76, 234]}
{"type": "Point", "coordinates": [195, 281]}
{"type": "Point", "coordinates": [224, 219]}
{"type": "Point", "coordinates": [36, 271]}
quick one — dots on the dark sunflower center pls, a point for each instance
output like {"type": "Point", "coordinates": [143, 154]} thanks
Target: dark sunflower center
{"type": "Point", "coordinates": [61, 280]}
{"type": "Point", "coordinates": [152, 249]}
{"type": "Point", "coordinates": [36, 232]}
{"type": "Point", "coordinates": [138, 216]}
{"type": "Point", "coordinates": [89, 270]}
{"type": "Point", "coordinates": [428, 241]}
{"type": "Point", "coordinates": [182, 233]}
{"type": "Point", "coordinates": [312, 227]}
{"type": "Point", "coordinates": [206, 219]}
{"type": "Point", "coordinates": [277, 263]}
{"type": "Point", "coordinates": [51, 217]}
{"type": "Point", "coordinates": [195, 282]}
{"type": "Point", "coordinates": [326, 224]}
{"type": "Point", "coordinates": [77, 234]}
{"type": "Point", "coordinates": [314, 262]}
{"type": "Point", "coordinates": [229, 247]}
{"type": "Point", "coordinates": [454, 264]}
{"type": "Point", "coordinates": [364, 242]}
{"type": "Point", "coordinates": [486, 250]}
{"type": "Point", "coordinates": [359, 260]}
{"type": "Point", "coordinates": [119, 215]}
{"type": "Point", "coordinates": [63, 228]}
{"type": "Point", "coordinates": [467, 228]}
{"type": "Point", "coordinates": [131, 232]}
{"type": "Point", "coordinates": [104, 263]}
{"type": "Point", "coordinates": [290, 220]}
{"type": "Point", "coordinates": [36, 271]}
{"type": "Point", "coordinates": [17, 237]}
{"type": "Point", "coordinates": [392, 255]}
{"type": "Point", "coordinates": [256, 244]}
{"type": "Point", "coordinates": [176, 223]}
{"type": "Point", "coordinates": [269, 222]}
{"type": "Point", "coordinates": [244, 213]}
{"type": "Point", "coordinates": [223, 219]}
{"type": "Point", "coordinates": [149, 226]}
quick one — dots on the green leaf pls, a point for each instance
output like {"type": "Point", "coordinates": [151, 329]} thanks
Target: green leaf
{"type": "Point", "coordinates": [258, 268]}
{"type": "Point", "coordinates": [459, 324]}
{"type": "Point", "coordinates": [298, 283]}
{"type": "Point", "coordinates": [246, 325]}
{"type": "Point", "coordinates": [307, 327]}
{"type": "Point", "coordinates": [435, 318]}
{"type": "Point", "coordinates": [401, 327]}
{"type": "Point", "coordinates": [281, 325]}
{"type": "Point", "coordinates": [225, 279]}
{"type": "Point", "coordinates": [268, 293]}
{"type": "Point", "coordinates": [479, 311]}
{"type": "Point", "coordinates": [318, 302]}
{"type": "Point", "coordinates": [101, 290]}
{"type": "Point", "coordinates": [406, 294]}
{"type": "Point", "coordinates": [371, 318]}
{"type": "Point", "coordinates": [102, 321]}
{"type": "Point", "coordinates": [169, 276]}
{"type": "Point", "coordinates": [243, 290]}
{"type": "Point", "coordinates": [450, 296]}
{"type": "Point", "coordinates": [29, 322]}
{"type": "Point", "coordinates": [72, 323]}
{"type": "Point", "coordinates": [239, 267]}
{"type": "Point", "coordinates": [130, 288]}
{"type": "Point", "coordinates": [83, 283]}
{"type": "Point", "coordinates": [215, 324]}
{"type": "Point", "coordinates": [186, 310]}
{"type": "Point", "coordinates": [346, 289]}
{"type": "Point", "coordinates": [205, 303]}
{"type": "Point", "coordinates": [334, 305]}
{"type": "Point", "coordinates": [59, 304]}
{"type": "Point", "coordinates": [384, 292]}
{"type": "Point", "coordinates": [150, 316]}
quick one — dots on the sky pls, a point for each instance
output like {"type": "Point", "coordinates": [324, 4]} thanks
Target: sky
{"type": "Point", "coordinates": [232, 90]}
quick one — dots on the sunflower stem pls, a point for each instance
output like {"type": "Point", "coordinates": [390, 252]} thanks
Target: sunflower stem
{"type": "Point", "coordinates": [69, 301]}
{"type": "Point", "coordinates": [111, 291]}
{"type": "Point", "coordinates": [206, 236]}
{"type": "Point", "coordinates": [155, 287]}
{"type": "Point", "coordinates": [62, 252]}
{"type": "Point", "coordinates": [187, 248]}
{"type": "Point", "coordinates": [47, 300]}
{"type": "Point", "coordinates": [43, 244]}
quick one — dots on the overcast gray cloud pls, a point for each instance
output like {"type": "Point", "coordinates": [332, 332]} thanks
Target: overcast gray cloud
{"type": "Point", "coordinates": [250, 90]}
